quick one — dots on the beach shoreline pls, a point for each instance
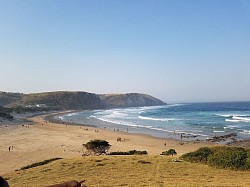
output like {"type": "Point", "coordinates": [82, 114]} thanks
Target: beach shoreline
{"type": "Point", "coordinates": [42, 139]}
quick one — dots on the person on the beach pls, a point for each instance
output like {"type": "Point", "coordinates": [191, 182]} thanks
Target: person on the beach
{"type": "Point", "coordinates": [9, 148]}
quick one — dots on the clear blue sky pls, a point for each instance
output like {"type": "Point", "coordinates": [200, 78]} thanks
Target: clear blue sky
{"type": "Point", "coordinates": [195, 50]}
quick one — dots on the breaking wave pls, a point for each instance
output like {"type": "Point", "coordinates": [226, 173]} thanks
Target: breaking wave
{"type": "Point", "coordinates": [156, 119]}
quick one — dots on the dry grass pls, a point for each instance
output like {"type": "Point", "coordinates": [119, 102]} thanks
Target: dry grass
{"type": "Point", "coordinates": [128, 171]}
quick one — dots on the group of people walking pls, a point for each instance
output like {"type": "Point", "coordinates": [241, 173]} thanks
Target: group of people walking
{"type": "Point", "coordinates": [11, 148]}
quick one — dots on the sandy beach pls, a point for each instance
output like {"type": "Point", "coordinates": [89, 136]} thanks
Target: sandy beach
{"type": "Point", "coordinates": [24, 144]}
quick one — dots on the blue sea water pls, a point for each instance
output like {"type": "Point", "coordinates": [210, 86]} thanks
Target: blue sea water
{"type": "Point", "coordinates": [197, 120]}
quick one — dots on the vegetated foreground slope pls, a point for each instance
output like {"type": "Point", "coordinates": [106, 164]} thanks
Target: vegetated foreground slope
{"type": "Point", "coordinates": [128, 171]}
{"type": "Point", "coordinates": [63, 100]}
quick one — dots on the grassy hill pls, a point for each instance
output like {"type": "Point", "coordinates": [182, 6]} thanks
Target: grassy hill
{"type": "Point", "coordinates": [63, 100]}
{"type": "Point", "coordinates": [130, 100]}
{"type": "Point", "coordinates": [8, 97]}
{"type": "Point", "coordinates": [128, 171]}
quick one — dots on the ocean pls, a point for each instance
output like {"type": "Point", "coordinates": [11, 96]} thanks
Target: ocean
{"type": "Point", "coordinates": [192, 120]}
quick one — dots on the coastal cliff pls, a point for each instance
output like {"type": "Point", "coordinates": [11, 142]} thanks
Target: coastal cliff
{"type": "Point", "coordinates": [64, 100]}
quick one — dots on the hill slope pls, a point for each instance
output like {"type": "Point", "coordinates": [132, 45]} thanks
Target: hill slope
{"type": "Point", "coordinates": [63, 100]}
{"type": "Point", "coordinates": [128, 171]}
{"type": "Point", "coordinates": [8, 97]}
{"type": "Point", "coordinates": [130, 100]}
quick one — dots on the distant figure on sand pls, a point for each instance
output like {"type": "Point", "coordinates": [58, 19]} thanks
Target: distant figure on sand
{"type": "Point", "coordinates": [9, 148]}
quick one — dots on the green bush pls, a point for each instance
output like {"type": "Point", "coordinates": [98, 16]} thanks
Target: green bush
{"type": "Point", "coordinates": [169, 152]}
{"type": "Point", "coordinates": [131, 152]}
{"type": "Point", "coordinates": [39, 163]}
{"type": "Point", "coordinates": [222, 157]}
{"type": "Point", "coordinates": [97, 146]}
{"type": "Point", "coordinates": [201, 155]}
{"type": "Point", "coordinates": [228, 157]}
{"type": "Point", "coordinates": [248, 159]}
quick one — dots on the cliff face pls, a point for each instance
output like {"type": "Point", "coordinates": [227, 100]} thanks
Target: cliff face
{"type": "Point", "coordinates": [130, 100]}
{"type": "Point", "coordinates": [80, 100]}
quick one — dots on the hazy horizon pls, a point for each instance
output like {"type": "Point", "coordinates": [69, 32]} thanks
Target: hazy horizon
{"type": "Point", "coordinates": [177, 51]}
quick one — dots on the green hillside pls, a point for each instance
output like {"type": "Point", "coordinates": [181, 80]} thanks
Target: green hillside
{"type": "Point", "coordinates": [130, 100]}
{"type": "Point", "coordinates": [63, 100]}
{"type": "Point", "coordinates": [128, 171]}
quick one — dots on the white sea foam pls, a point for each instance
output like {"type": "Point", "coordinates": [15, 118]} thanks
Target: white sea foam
{"type": "Point", "coordinates": [177, 104]}
{"type": "Point", "coordinates": [156, 119]}
{"type": "Point", "coordinates": [244, 119]}
{"type": "Point", "coordinates": [230, 115]}
{"type": "Point", "coordinates": [245, 132]}
{"type": "Point", "coordinates": [61, 117]}
{"type": "Point", "coordinates": [71, 114]}
{"type": "Point", "coordinates": [118, 114]}
{"type": "Point", "coordinates": [219, 131]}
{"type": "Point", "coordinates": [118, 122]}
{"type": "Point", "coordinates": [133, 125]}
{"type": "Point", "coordinates": [155, 128]}
{"type": "Point", "coordinates": [230, 127]}
{"type": "Point", "coordinates": [224, 115]}
{"type": "Point", "coordinates": [232, 120]}
{"type": "Point", "coordinates": [239, 118]}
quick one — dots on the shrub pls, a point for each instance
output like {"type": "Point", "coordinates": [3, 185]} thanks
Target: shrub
{"type": "Point", "coordinates": [131, 152]}
{"type": "Point", "coordinates": [222, 157]}
{"type": "Point", "coordinates": [169, 152]}
{"type": "Point", "coordinates": [201, 155]}
{"type": "Point", "coordinates": [39, 163]}
{"type": "Point", "coordinates": [97, 146]}
{"type": "Point", "coordinates": [229, 157]}
{"type": "Point", "coordinates": [134, 152]}
{"type": "Point", "coordinates": [248, 159]}
{"type": "Point", "coordinates": [144, 162]}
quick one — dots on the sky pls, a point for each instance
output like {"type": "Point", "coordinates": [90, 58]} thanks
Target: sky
{"type": "Point", "coordinates": [178, 51]}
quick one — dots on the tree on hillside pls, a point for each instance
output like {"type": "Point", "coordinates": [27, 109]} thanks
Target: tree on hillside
{"type": "Point", "coordinates": [97, 146]}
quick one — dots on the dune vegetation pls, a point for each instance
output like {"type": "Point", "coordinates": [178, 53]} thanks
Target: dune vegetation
{"type": "Point", "coordinates": [237, 158]}
{"type": "Point", "coordinates": [131, 170]}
